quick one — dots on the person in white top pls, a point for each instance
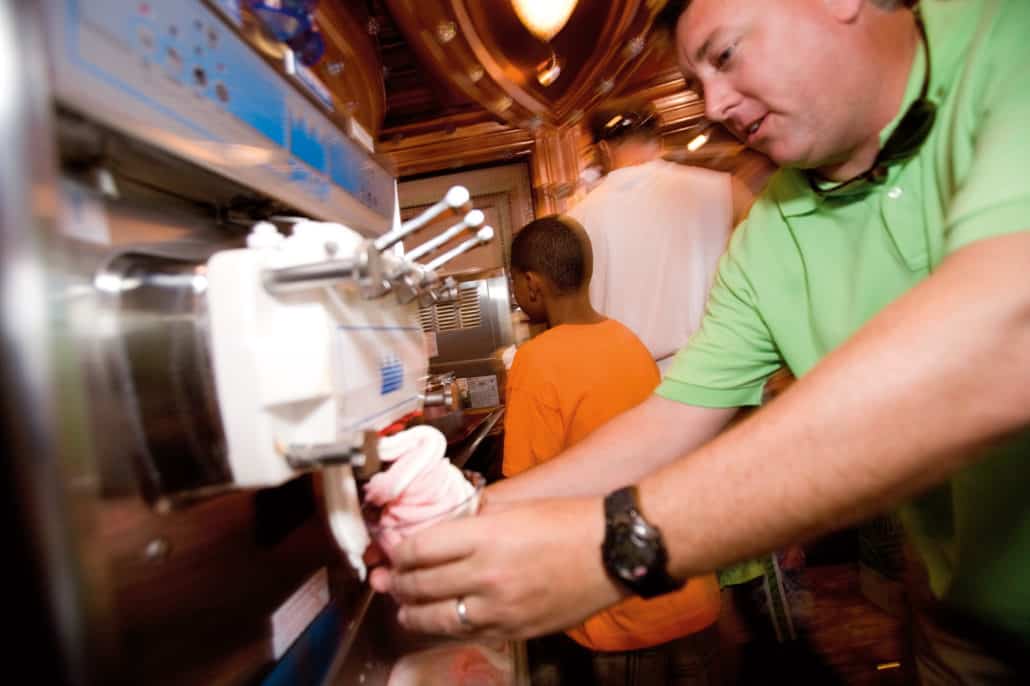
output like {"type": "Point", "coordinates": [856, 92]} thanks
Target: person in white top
{"type": "Point", "coordinates": [657, 229]}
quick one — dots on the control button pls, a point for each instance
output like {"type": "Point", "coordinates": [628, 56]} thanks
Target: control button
{"type": "Point", "coordinates": [200, 76]}
{"type": "Point", "coordinates": [222, 93]}
{"type": "Point", "coordinates": [173, 61]}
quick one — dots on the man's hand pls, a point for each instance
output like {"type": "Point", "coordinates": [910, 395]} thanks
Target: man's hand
{"type": "Point", "coordinates": [522, 570]}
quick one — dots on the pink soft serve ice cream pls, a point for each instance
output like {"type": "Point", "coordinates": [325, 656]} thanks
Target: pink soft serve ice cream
{"type": "Point", "coordinates": [420, 487]}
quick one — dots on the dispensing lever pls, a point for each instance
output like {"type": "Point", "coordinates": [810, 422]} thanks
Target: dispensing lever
{"type": "Point", "coordinates": [457, 198]}
{"type": "Point", "coordinates": [307, 276]}
{"type": "Point", "coordinates": [472, 220]}
{"type": "Point", "coordinates": [484, 235]}
{"type": "Point", "coordinates": [363, 456]}
{"type": "Point", "coordinates": [448, 396]}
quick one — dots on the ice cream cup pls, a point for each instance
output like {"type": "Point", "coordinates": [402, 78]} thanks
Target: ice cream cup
{"type": "Point", "coordinates": [387, 533]}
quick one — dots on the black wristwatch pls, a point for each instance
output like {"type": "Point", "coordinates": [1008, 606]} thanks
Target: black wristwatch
{"type": "Point", "coordinates": [633, 551]}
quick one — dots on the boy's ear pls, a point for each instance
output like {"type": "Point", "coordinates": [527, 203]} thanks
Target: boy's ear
{"type": "Point", "coordinates": [535, 284]}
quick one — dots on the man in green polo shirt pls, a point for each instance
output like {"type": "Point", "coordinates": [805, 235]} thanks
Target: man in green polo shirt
{"type": "Point", "coordinates": [887, 265]}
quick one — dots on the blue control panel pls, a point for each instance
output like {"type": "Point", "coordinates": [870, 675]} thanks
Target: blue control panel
{"type": "Point", "coordinates": [176, 75]}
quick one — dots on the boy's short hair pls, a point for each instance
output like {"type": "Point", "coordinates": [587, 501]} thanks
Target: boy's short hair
{"type": "Point", "coordinates": [551, 247]}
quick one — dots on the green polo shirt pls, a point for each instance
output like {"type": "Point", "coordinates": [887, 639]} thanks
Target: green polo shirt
{"type": "Point", "coordinates": [806, 272]}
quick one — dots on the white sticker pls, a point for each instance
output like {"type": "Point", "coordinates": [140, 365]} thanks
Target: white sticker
{"type": "Point", "coordinates": [483, 391]}
{"type": "Point", "coordinates": [83, 216]}
{"type": "Point", "coordinates": [293, 616]}
{"type": "Point", "coordinates": [432, 347]}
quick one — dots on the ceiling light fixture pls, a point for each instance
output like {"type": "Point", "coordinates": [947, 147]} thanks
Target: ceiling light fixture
{"type": "Point", "coordinates": [548, 71]}
{"type": "Point", "coordinates": [544, 18]}
{"type": "Point", "coordinates": [698, 141]}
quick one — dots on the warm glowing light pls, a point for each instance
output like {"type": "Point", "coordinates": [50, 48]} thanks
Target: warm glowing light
{"type": "Point", "coordinates": [544, 18]}
{"type": "Point", "coordinates": [695, 145]}
{"type": "Point", "coordinates": [548, 72]}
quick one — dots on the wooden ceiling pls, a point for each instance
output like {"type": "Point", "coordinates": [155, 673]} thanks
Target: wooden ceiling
{"type": "Point", "coordinates": [448, 64]}
{"type": "Point", "coordinates": [416, 99]}
{"type": "Point", "coordinates": [441, 85]}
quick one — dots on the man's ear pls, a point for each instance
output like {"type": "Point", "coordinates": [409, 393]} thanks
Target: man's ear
{"type": "Point", "coordinates": [845, 11]}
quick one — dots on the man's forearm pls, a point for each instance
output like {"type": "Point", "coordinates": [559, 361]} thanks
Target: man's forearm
{"type": "Point", "coordinates": [905, 403]}
{"type": "Point", "coordinates": [621, 452]}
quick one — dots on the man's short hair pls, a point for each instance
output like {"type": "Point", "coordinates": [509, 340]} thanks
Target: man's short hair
{"type": "Point", "coordinates": [551, 247]}
{"type": "Point", "coordinates": [616, 120]}
{"type": "Point", "coordinates": [667, 18]}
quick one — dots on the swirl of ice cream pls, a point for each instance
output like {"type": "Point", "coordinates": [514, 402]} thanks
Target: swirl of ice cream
{"type": "Point", "coordinates": [420, 487]}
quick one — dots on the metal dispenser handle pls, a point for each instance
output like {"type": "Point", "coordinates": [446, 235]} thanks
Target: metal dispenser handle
{"type": "Point", "coordinates": [457, 198]}
{"type": "Point", "coordinates": [375, 271]}
{"type": "Point", "coordinates": [472, 220]}
{"type": "Point", "coordinates": [361, 454]}
{"type": "Point", "coordinates": [483, 236]}
{"type": "Point", "coordinates": [307, 276]}
{"type": "Point", "coordinates": [424, 283]}
{"type": "Point", "coordinates": [448, 397]}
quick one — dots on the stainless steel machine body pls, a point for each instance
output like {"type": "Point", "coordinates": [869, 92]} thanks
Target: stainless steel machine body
{"type": "Point", "coordinates": [469, 334]}
{"type": "Point", "coordinates": [147, 138]}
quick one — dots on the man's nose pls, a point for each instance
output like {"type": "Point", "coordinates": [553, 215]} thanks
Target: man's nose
{"type": "Point", "coordinates": [720, 99]}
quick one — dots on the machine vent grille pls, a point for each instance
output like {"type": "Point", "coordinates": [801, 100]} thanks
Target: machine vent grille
{"type": "Point", "coordinates": [463, 314]}
{"type": "Point", "coordinates": [427, 316]}
{"type": "Point", "coordinates": [447, 317]}
{"type": "Point", "coordinates": [468, 306]}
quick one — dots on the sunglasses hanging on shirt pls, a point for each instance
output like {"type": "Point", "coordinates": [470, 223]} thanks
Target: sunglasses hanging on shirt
{"type": "Point", "coordinates": [626, 123]}
{"type": "Point", "coordinates": [906, 140]}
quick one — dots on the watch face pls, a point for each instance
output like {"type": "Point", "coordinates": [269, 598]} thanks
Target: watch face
{"type": "Point", "coordinates": [631, 554]}
{"type": "Point", "coordinates": [632, 551]}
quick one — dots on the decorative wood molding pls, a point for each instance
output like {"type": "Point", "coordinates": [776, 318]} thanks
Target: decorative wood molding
{"type": "Point", "coordinates": [466, 146]}
{"type": "Point", "coordinates": [557, 162]}
{"type": "Point", "coordinates": [350, 68]}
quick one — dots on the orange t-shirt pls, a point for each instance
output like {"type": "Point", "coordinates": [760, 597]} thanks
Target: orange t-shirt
{"type": "Point", "coordinates": [562, 385]}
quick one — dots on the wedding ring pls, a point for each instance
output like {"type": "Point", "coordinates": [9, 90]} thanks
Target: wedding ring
{"type": "Point", "coordinates": [463, 613]}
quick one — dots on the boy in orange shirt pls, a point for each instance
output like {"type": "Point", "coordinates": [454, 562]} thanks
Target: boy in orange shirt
{"type": "Point", "coordinates": [580, 373]}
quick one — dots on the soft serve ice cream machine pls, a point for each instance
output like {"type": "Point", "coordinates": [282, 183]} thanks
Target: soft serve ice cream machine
{"type": "Point", "coordinates": [315, 347]}
{"type": "Point", "coordinates": [234, 305]}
